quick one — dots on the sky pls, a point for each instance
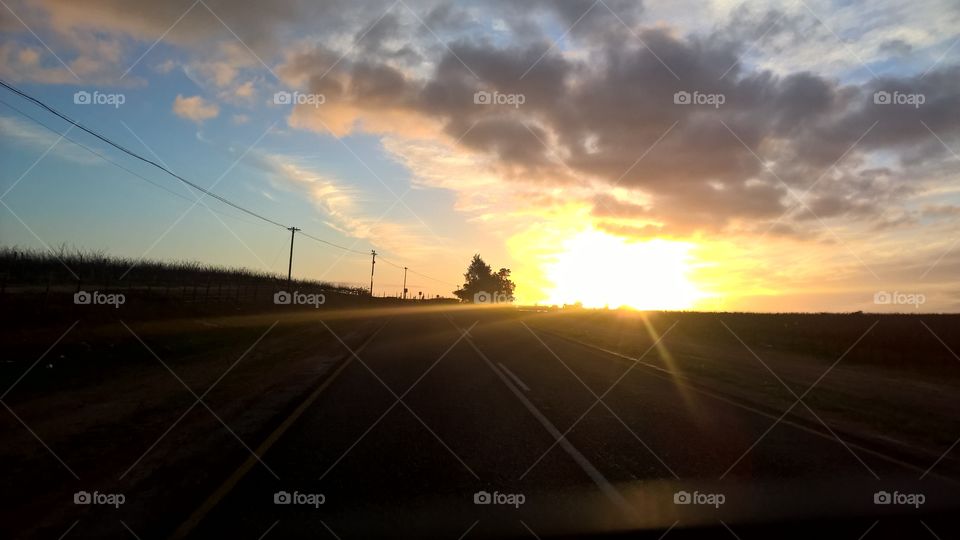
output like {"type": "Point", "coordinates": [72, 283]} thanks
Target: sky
{"type": "Point", "coordinates": [714, 155]}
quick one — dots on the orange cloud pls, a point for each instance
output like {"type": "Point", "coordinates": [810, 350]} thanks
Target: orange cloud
{"type": "Point", "coordinates": [195, 108]}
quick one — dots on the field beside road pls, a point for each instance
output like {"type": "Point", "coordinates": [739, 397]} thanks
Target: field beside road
{"type": "Point", "coordinates": [397, 421]}
{"type": "Point", "coordinates": [886, 380]}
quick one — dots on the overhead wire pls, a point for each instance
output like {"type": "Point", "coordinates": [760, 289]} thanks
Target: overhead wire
{"type": "Point", "coordinates": [163, 168]}
{"type": "Point", "coordinates": [64, 136]}
{"type": "Point", "coordinates": [137, 156]}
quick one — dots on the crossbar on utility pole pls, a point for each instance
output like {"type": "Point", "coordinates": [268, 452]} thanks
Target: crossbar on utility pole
{"type": "Point", "coordinates": [404, 282]}
{"type": "Point", "coordinates": [293, 231]}
{"type": "Point", "coordinates": [373, 261]}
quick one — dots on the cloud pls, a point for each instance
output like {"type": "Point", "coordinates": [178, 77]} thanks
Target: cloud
{"type": "Point", "coordinates": [244, 91]}
{"type": "Point", "coordinates": [942, 211]}
{"type": "Point", "coordinates": [102, 39]}
{"type": "Point", "coordinates": [195, 108]}
{"type": "Point", "coordinates": [798, 151]}
{"type": "Point", "coordinates": [25, 63]}
{"type": "Point", "coordinates": [342, 207]}
{"type": "Point", "coordinates": [94, 59]}
{"type": "Point", "coordinates": [609, 116]}
{"type": "Point", "coordinates": [40, 140]}
{"type": "Point", "coordinates": [595, 101]}
{"type": "Point", "coordinates": [165, 67]}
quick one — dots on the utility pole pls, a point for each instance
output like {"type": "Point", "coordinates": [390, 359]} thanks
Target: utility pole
{"type": "Point", "coordinates": [373, 262]}
{"type": "Point", "coordinates": [293, 231]}
{"type": "Point", "coordinates": [404, 282]}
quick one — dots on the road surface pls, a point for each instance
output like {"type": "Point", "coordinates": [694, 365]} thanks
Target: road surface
{"type": "Point", "coordinates": [441, 411]}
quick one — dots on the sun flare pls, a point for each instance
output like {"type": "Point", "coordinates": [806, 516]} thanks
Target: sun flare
{"type": "Point", "coordinates": [602, 270]}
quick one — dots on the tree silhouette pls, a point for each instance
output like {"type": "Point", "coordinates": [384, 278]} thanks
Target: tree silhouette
{"type": "Point", "coordinates": [482, 285]}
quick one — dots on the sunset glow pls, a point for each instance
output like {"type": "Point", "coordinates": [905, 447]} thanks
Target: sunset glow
{"type": "Point", "coordinates": [601, 270]}
{"type": "Point", "coordinates": [480, 268]}
{"type": "Point", "coordinates": [619, 153]}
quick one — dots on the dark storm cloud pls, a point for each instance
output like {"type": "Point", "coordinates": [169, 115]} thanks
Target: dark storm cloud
{"type": "Point", "coordinates": [510, 140]}
{"type": "Point", "coordinates": [371, 38]}
{"type": "Point", "coordinates": [610, 113]}
{"type": "Point", "coordinates": [865, 194]}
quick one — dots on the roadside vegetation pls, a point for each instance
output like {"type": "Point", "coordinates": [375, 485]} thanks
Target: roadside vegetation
{"type": "Point", "coordinates": [481, 285]}
{"type": "Point", "coordinates": [901, 341]}
{"type": "Point", "coordinates": [30, 268]}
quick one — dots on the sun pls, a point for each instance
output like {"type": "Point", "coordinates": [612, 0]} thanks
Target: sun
{"type": "Point", "coordinates": [601, 270]}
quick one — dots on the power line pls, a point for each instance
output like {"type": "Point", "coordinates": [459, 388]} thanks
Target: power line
{"type": "Point", "coordinates": [393, 264]}
{"type": "Point", "coordinates": [118, 165]}
{"type": "Point", "coordinates": [135, 155]}
{"type": "Point", "coordinates": [148, 161]}
{"type": "Point", "coordinates": [327, 242]}
{"type": "Point", "coordinates": [412, 271]}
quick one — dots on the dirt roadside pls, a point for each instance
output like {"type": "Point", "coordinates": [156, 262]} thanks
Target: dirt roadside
{"type": "Point", "coordinates": [106, 415]}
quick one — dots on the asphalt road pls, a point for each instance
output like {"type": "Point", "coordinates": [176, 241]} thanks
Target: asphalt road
{"type": "Point", "coordinates": [438, 407]}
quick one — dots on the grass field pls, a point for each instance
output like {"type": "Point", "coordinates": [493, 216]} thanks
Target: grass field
{"type": "Point", "coordinates": [883, 380]}
{"type": "Point", "coordinates": [32, 269]}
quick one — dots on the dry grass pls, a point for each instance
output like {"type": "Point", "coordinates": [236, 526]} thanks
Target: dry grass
{"type": "Point", "coordinates": [31, 267]}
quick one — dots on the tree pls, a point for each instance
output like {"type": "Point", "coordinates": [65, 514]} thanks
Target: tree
{"type": "Point", "coordinates": [481, 285]}
{"type": "Point", "coordinates": [505, 285]}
